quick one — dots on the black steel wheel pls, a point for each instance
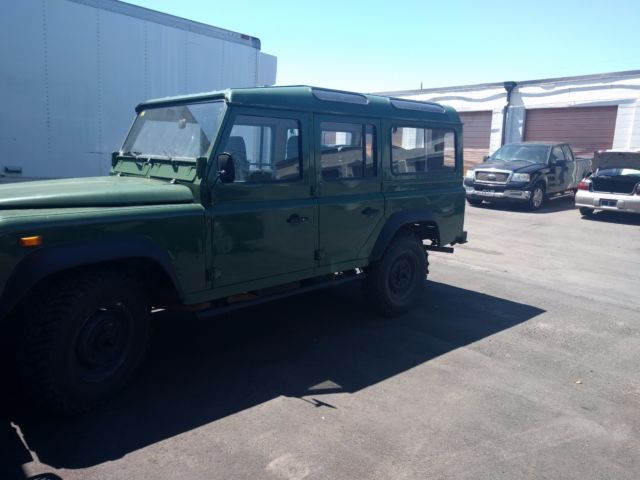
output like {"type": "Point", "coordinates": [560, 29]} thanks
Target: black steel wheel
{"type": "Point", "coordinates": [395, 283]}
{"type": "Point", "coordinates": [84, 336]}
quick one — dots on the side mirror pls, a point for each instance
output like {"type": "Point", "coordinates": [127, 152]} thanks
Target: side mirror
{"type": "Point", "coordinates": [201, 166]}
{"type": "Point", "coordinates": [486, 158]}
{"type": "Point", "coordinates": [560, 162]}
{"type": "Point", "coordinates": [226, 168]}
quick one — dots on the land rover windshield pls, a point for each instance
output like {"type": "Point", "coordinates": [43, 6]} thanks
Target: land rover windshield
{"type": "Point", "coordinates": [182, 131]}
{"type": "Point", "coordinates": [519, 153]}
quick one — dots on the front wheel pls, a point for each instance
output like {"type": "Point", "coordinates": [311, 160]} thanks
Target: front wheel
{"type": "Point", "coordinates": [537, 197]}
{"type": "Point", "coordinates": [84, 336]}
{"type": "Point", "coordinates": [395, 283]}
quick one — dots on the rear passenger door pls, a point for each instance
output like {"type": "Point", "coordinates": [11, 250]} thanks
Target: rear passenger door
{"type": "Point", "coordinates": [349, 190]}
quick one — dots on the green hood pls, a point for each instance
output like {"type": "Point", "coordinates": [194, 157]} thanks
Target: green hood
{"type": "Point", "coordinates": [92, 192]}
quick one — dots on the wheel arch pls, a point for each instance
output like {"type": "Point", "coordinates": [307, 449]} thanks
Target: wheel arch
{"type": "Point", "coordinates": [420, 222]}
{"type": "Point", "coordinates": [138, 253]}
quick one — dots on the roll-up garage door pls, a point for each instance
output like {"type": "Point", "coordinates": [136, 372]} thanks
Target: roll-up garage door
{"type": "Point", "coordinates": [477, 134]}
{"type": "Point", "coordinates": [586, 129]}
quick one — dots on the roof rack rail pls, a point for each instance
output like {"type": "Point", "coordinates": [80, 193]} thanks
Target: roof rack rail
{"type": "Point", "coordinates": [403, 104]}
{"type": "Point", "coordinates": [339, 96]}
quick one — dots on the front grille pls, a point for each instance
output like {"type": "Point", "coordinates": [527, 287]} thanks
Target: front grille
{"type": "Point", "coordinates": [492, 177]}
{"type": "Point", "coordinates": [614, 185]}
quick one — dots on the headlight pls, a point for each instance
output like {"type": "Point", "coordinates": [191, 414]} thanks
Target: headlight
{"type": "Point", "coordinates": [520, 177]}
{"type": "Point", "coordinates": [470, 174]}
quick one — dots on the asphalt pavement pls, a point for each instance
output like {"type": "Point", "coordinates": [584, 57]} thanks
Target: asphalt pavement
{"type": "Point", "coordinates": [521, 362]}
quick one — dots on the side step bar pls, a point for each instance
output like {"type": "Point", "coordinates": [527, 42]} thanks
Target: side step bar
{"type": "Point", "coordinates": [236, 305]}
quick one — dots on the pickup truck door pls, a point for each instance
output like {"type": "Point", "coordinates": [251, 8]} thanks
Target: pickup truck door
{"type": "Point", "coordinates": [264, 223]}
{"type": "Point", "coordinates": [557, 178]}
{"type": "Point", "coordinates": [571, 171]}
{"type": "Point", "coordinates": [350, 199]}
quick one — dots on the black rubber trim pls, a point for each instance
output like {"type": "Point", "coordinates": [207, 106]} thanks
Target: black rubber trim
{"type": "Point", "coordinates": [49, 260]}
{"type": "Point", "coordinates": [394, 223]}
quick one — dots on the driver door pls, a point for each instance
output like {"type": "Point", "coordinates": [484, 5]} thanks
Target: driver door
{"type": "Point", "coordinates": [264, 222]}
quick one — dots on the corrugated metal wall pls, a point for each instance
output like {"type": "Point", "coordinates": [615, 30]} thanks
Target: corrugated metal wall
{"type": "Point", "coordinates": [71, 75]}
{"type": "Point", "coordinates": [586, 129]}
{"type": "Point", "coordinates": [477, 135]}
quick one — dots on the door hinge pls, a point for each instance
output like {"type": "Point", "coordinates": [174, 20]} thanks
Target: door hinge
{"type": "Point", "coordinates": [319, 254]}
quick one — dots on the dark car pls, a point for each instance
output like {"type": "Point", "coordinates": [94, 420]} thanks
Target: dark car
{"type": "Point", "coordinates": [526, 172]}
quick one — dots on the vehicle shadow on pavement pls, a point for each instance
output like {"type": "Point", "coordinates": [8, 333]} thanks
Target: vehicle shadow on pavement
{"type": "Point", "coordinates": [552, 205]}
{"type": "Point", "coordinates": [200, 371]}
{"type": "Point", "coordinates": [614, 217]}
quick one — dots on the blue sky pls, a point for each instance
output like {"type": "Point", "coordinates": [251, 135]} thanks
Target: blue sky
{"type": "Point", "coordinates": [382, 46]}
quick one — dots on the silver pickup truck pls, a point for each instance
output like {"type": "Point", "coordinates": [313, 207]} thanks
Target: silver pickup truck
{"type": "Point", "coordinates": [614, 184]}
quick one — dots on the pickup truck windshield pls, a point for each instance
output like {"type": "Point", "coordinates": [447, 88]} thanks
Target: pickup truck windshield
{"type": "Point", "coordinates": [177, 131]}
{"type": "Point", "coordinates": [519, 153]}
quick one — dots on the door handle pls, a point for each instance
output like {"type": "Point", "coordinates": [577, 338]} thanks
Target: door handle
{"type": "Point", "coordinates": [296, 219]}
{"type": "Point", "coordinates": [369, 212]}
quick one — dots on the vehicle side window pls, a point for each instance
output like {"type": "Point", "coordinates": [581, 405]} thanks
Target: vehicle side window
{"type": "Point", "coordinates": [557, 154]}
{"type": "Point", "coordinates": [347, 150]}
{"type": "Point", "coordinates": [567, 152]}
{"type": "Point", "coordinates": [265, 149]}
{"type": "Point", "coordinates": [422, 150]}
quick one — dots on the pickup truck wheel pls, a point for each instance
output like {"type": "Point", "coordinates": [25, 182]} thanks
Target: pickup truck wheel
{"type": "Point", "coordinates": [395, 283]}
{"type": "Point", "coordinates": [586, 211]}
{"type": "Point", "coordinates": [474, 201]}
{"type": "Point", "coordinates": [537, 197]}
{"type": "Point", "coordinates": [84, 337]}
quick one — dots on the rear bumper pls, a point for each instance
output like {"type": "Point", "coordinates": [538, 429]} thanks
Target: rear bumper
{"type": "Point", "coordinates": [608, 201]}
{"type": "Point", "coordinates": [506, 195]}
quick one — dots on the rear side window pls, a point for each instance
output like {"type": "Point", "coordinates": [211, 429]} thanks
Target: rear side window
{"type": "Point", "coordinates": [422, 150]}
{"type": "Point", "coordinates": [265, 149]}
{"type": "Point", "coordinates": [347, 150]}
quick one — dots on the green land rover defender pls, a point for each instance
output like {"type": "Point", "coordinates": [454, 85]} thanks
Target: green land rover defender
{"type": "Point", "coordinates": [218, 201]}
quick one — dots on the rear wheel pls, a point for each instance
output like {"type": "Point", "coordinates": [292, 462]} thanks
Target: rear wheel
{"type": "Point", "coordinates": [84, 337]}
{"type": "Point", "coordinates": [586, 211]}
{"type": "Point", "coordinates": [395, 283]}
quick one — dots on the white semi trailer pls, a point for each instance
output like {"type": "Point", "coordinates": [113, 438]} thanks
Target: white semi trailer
{"type": "Point", "coordinates": [72, 71]}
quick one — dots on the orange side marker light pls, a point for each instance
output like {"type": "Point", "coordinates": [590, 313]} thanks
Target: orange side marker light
{"type": "Point", "coordinates": [30, 241]}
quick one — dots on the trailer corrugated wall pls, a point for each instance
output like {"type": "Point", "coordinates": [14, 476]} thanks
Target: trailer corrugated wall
{"type": "Point", "coordinates": [71, 72]}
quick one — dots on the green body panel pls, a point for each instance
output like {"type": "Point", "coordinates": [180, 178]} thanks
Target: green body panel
{"type": "Point", "coordinates": [177, 230]}
{"type": "Point", "coordinates": [223, 239]}
{"type": "Point", "coordinates": [90, 192]}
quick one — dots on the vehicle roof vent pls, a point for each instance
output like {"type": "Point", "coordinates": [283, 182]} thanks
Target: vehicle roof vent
{"type": "Point", "coordinates": [402, 104]}
{"type": "Point", "coordinates": [337, 96]}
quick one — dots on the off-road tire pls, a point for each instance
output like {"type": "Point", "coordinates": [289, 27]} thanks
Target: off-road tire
{"type": "Point", "coordinates": [85, 334]}
{"type": "Point", "coordinates": [395, 283]}
{"type": "Point", "coordinates": [586, 211]}
{"type": "Point", "coordinates": [474, 201]}
{"type": "Point", "coordinates": [538, 197]}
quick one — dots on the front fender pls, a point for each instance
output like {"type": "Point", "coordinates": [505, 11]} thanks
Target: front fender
{"type": "Point", "coordinates": [50, 260]}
